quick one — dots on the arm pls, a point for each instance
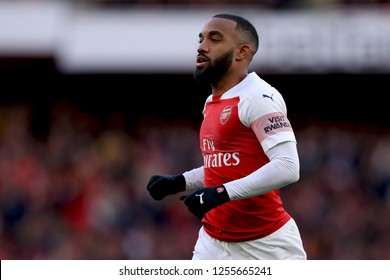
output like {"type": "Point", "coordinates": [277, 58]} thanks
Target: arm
{"type": "Point", "coordinates": [160, 186]}
{"type": "Point", "coordinates": [282, 169]}
{"type": "Point", "coordinates": [194, 178]}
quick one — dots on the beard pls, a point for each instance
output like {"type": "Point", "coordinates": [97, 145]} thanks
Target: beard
{"type": "Point", "coordinates": [215, 71]}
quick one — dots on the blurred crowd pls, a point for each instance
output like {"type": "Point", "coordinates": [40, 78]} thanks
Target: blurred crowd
{"type": "Point", "coordinates": [79, 191]}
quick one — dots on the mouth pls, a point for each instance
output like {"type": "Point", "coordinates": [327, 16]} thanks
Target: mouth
{"type": "Point", "coordinates": [201, 60]}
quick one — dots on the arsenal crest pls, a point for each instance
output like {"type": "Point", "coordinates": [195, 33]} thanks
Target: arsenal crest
{"type": "Point", "coordinates": [225, 115]}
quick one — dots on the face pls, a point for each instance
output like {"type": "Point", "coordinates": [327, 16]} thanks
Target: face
{"type": "Point", "coordinates": [216, 50]}
{"type": "Point", "coordinates": [215, 69]}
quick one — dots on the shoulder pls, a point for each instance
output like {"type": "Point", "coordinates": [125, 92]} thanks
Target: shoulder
{"type": "Point", "coordinates": [209, 99]}
{"type": "Point", "coordinates": [253, 87]}
{"type": "Point", "coordinates": [261, 88]}
{"type": "Point", "coordinates": [255, 91]}
{"type": "Point", "coordinates": [258, 98]}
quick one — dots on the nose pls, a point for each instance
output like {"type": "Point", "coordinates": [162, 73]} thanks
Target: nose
{"type": "Point", "coordinates": [202, 48]}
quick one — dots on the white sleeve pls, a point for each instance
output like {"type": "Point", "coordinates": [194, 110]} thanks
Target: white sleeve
{"type": "Point", "coordinates": [194, 178]}
{"type": "Point", "coordinates": [281, 170]}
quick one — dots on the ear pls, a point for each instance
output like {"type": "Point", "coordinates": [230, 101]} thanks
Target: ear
{"type": "Point", "coordinates": [243, 52]}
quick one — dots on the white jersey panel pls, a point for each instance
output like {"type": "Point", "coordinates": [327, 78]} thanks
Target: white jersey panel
{"type": "Point", "coordinates": [262, 107]}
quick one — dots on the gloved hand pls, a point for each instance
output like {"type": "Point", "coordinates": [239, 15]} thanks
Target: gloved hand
{"type": "Point", "coordinates": [160, 186]}
{"type": "Point", "coordinates": [205, 199]}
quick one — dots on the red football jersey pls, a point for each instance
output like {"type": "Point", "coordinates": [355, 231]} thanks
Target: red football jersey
{"type": "Point", "coordinates": [238, 127]}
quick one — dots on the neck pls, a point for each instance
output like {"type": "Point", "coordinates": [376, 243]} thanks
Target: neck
{"type": "Point", "coordinates": [227, 83]}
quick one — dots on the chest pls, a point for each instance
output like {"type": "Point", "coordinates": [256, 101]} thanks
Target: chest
{"type": "Point", "coordinates": [221, 127]}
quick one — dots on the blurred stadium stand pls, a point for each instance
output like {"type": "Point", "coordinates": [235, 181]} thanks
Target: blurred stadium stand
{"type": "Point", "coordinates": [127, 38]}
{"type": "Point", "coordinates": [76, 150]}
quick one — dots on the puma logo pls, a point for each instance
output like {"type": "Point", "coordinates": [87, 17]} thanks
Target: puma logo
{"type": "Point", "coordinates": [267, 96]}
{"type": "Point", "coordinates": [201, 198]}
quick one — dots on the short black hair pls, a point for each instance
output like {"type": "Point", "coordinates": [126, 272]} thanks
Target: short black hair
{"type": "Point", "coordinates": [245, 26]}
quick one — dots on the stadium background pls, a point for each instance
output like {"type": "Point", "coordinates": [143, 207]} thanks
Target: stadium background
{"type": "Point", "coordinates": [77, 149]}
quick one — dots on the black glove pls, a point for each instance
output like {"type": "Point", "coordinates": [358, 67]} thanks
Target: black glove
{"type": "Point", "coordinates": [205, 199]}
{"type": "Point", "coordinates": [160, 186]}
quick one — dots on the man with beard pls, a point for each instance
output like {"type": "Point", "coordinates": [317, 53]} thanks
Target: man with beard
{"type": "Point", "coordinates": [249, 151]}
